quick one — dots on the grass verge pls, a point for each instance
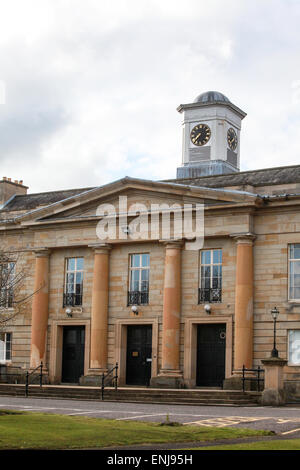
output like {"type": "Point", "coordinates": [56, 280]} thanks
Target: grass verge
{"type": "Point", "coordinates": [25, 430]}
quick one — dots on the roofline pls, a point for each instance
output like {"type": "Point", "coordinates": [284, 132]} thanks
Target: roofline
{"type": "Point", "coordinates": [232, 174]}
{"type": "Point", "coordinates": [56, 191]}
{"type": "Point", "coordinates": [182, 107]}
{"type": "Point", "coordinates": [129, 180]}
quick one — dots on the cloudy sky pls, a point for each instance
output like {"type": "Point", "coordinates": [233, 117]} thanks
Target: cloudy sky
{"type": "Point", "coordinates": [91, 87]}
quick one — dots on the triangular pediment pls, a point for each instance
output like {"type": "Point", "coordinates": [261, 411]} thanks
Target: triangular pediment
{"type": "Point", "coordinates": [135, 191]}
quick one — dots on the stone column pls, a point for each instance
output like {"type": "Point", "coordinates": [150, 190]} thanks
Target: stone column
{"type": "Point", "coordinates": [243, 345]}
{"type": "Point", "coordinates": [99, 315]}
{"type": "Point", "coordinates": [243, 317]}
{"type": "Point", "coordinates": [40, 309]}
{"type": "Point", "coordinates": [170, 374]}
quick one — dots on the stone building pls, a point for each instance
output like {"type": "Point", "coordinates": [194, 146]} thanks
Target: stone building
{"type": "Point", "coordinates": [169, 311]}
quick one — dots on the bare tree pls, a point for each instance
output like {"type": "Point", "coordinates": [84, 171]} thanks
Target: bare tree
{"type": "Point", "coordinates": [13, 278]}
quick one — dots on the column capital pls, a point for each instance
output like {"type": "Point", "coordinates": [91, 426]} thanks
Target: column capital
{"type": "Point", "coordinates": [41, 252]}
{"type": "Point", "coordinates": [172, 244]}
{"type": "Point", "coordinates": [247, 238]}
{"type": "Point", "coordinates": [100, 248]}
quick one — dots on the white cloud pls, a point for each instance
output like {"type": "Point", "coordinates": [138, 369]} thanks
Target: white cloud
{"type": "Point", "coordinates": [92, 87]}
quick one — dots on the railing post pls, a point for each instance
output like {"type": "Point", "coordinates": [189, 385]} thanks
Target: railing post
{"type": "Point", "coordinates": [102, 387]}
{"type": "Point", "coordinates": [26, 384]}
{"type": "Point", "coordinates": [258, 381]}
{"type": "Point", "coordinates": [116, 377]}
{"type": "Point", "coordinates": [243, 379]}
{"type": "Point", "coordinates": [41, 375]}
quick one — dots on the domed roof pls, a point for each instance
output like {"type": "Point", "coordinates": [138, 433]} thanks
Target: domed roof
{"type": "Point", "coordinates": [210, 97]}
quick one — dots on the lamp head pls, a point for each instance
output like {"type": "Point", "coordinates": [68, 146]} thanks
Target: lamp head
{"type": "Point", "coordinates": [68, 312]}
{"type": "Point", "coordinates": [274, 313]}
{"type": "Point", "coordinates": [207, 309]}
{"type": "Point", "coordinates": [134, 310]}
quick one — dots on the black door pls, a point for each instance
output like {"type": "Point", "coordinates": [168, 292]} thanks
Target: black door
{"type": "Point", "coordinates": [139, 349]}
{"type": "Point", "coordinates": [73, 353]}
{"type": "Point", "coordinates": [211, 341]}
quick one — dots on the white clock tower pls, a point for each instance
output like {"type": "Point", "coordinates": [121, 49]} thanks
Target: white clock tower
{"type": "Point", "coordinates": [211, 136]}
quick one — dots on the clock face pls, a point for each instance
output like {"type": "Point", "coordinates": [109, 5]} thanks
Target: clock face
{"type": "Point", "coordinates": [200, 134]}
{"type": "Point", "coordinates": [232, 138]}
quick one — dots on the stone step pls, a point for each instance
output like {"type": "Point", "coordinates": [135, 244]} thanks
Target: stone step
{"type": "Point", "coordinates": [120, 396]}
{"type": "Point", "coordinates": [186, 401]}
{"type": "Point", "coordinates": [141, 395]}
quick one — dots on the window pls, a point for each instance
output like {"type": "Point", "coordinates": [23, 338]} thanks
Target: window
{"type": "Point", "coordinates": [7, 278]}
{"type": "Point", "coordinates": [139, 267]}
{"type": "Point", "coordinates": [5, 347]}
{"type": "Point", "coordinates": [210, 289]}
{"type": "Point", "coordinates": [294, 271]}
{"type": "Point", "coordinates": [294, 347]}
{"type": "Point", "coordinates": [73, 282]}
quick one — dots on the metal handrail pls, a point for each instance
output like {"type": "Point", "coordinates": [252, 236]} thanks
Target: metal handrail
{"type": "Point", "coordinates": [258, 371]}
{"type": "Point", "coordinates": [28, 374]}
{"type": "Point", "coordinates": [104, 377]}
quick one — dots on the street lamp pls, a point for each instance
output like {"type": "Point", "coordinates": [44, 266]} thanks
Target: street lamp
{"type": "Point", "coordinates": [274, 313]}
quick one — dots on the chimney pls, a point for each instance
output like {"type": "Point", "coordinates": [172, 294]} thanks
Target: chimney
{"type": "Point", "coordinates": [9, 188]}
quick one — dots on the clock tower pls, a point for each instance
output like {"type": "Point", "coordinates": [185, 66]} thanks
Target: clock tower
{"type": "Point", "coordinates": [211, 136]}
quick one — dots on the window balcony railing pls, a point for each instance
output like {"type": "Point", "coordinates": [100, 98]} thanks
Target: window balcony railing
{"type": "Point", "coordinates": [209, 295]}
{"type": "Point", "coordinates": [72, 300]}
{"type": "Point", "coordinates": [137, 298]}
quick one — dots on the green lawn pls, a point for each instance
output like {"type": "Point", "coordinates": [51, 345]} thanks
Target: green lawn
{"type": "Point", "coordinates": [26, 430]}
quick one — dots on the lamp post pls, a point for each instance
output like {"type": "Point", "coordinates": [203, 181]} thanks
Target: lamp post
{"type": "Point", "coordinates": [274, 313]}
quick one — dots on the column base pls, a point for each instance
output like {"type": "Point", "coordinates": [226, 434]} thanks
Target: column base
{"type": "Point", "coordinates": [93, 377]}
{"type": "Point", "coordinates": [235, 382]}
{"type": "Point", "coordinates": [167, 379]}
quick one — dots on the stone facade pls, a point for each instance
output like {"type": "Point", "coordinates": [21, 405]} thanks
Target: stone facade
{"type": "Point", "coordinates": [253, 229]}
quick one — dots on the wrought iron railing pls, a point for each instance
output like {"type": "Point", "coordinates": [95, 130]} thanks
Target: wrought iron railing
{"type": "Point", "coordinates": [72, 300]}
{"type": "Point", "coordinates": [138, 298]}
{"type": "Point", "coordinates": [19, 376]}
{"type": "Point", "coordinates": [256, 380]}
{"type": "Point", "coordinates": [109, 379]}
{"type": "Point", "coordinates": [209, 295]}
{"type": "Point", "coordinates": [10, 374]}
{"type": "Point", "coordinates": [30, 376]}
